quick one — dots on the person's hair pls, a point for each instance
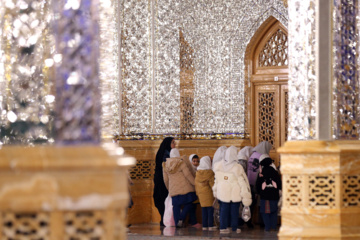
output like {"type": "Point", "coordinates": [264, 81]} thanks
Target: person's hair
{"type": "Point", "coordinates": [266, 162]}
{"type": "Point", "coordinates": [195, 156]}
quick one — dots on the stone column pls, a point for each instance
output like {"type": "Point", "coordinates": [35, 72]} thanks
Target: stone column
{"type": "Point", "coordinates": [74, 192]}
{"type": "Point", "coordinates": [321, 190]}
{"type": "Point", "coordinates": [321, 176]}
{"type": "Point", "coordinates": [73, 188]}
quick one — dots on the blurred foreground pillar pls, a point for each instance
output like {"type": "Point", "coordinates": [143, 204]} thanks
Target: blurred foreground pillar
{"type": "Point", "coordinates": [63, 192]}
{"type": "Point", "coordinates": [74, 188]}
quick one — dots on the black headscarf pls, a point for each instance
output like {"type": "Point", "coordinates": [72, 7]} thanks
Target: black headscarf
{"type": "Point", "coordinates": [165, 147]}
{"type": "Point", "coordinates": [160, 190]}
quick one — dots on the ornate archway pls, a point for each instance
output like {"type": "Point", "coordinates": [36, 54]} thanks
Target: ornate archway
{"type": "Point", "coordinates": [266, 85]}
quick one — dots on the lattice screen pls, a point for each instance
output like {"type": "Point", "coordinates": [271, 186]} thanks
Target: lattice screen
{"type": "Point", "coordinates": [322, 191]}
{"type": "Point", "coordinates": [84, 225]}
{"type": "Point", "coordinates": [21, 226]}
{"type": "Point", "coordinates": [144, 169]}
{"type": "Point", "coordinates": [294, 193]}
{"type": "Point", "coordinates": [275, 51]}
{"type": "Point", "coordinates": [266, 117]}
{"type": "Point", "coordinates": [351, 191]}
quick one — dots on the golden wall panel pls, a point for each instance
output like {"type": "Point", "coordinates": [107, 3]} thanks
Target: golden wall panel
{"type": "Point", "coordinates": [141, 211]}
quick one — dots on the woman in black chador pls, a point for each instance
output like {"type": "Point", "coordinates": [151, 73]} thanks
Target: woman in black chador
{"type": "Point", "coordinates": [160, 190]}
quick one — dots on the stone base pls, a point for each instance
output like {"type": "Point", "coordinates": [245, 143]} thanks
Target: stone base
{"type": "Point", "coordinates": [321, 190]}
{"type": "Point", "coordinates": [62, 193]}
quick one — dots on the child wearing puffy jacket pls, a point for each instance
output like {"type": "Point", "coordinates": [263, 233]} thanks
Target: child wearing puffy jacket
{"type": "Point", "coordinates": [180, 182]}
{"type": "Point", "coordinates": [230, 189]}
{"type": "Point", "coordinates": [204, 181]}
{"type": "Point", "coordinates": [268, 185]}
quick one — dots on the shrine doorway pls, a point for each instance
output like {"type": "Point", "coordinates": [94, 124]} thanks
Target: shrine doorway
{"type": "Point", "coordinates": [267, 88]}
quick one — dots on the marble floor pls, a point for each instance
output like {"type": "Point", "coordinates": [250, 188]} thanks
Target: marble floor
{"type": "Point", "coordinates": [153, 231]}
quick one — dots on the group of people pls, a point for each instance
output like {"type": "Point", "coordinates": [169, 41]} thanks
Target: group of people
{"type": "Point", "coordinates": [230, 179]}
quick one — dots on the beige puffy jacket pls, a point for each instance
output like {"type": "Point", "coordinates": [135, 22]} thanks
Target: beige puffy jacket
{"type": "Point", "coordinates": [204, 181]}
{"type": "Point", "coordinates": [178, 177]}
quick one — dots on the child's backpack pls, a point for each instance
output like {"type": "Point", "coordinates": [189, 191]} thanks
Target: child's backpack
{"type": "Point", "coordinates": [253, 167]}
{"type": "Point", "coordinates": [268, 182]}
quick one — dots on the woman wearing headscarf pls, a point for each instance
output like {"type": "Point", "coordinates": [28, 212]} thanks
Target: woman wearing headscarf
{"type": "Point", "coordinates": [160, 190]}
{"type": "Point", "coordinates": [204, 181]}
{"type": "Point", "coordinates": [219, 155]}
{"type": "Point", "coordinates": [181, 185]}
{"type": "Point", "coordinates": [243, 156]}
{"type": "Point", "coordinates": [263, 147]}
{"type": "Point", "coordinates": [253, 168]}
{"type": "Point", "coordinates": [230, 188]}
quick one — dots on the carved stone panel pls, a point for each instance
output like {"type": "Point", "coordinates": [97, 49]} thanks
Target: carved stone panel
{"type": "Point", "coordinates": [25, 225]}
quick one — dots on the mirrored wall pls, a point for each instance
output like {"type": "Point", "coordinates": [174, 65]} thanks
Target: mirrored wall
{"type": "Point", "coordinates": [182, 66]}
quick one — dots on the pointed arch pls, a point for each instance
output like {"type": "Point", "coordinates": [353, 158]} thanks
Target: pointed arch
{"type": "Point", "coordinates": [271, 14]}
{"type": "Point", "coordinates": [255, 63]}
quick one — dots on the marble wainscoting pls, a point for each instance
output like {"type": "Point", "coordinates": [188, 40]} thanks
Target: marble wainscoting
{"type": "Point", "coordinates": [321, 190]}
